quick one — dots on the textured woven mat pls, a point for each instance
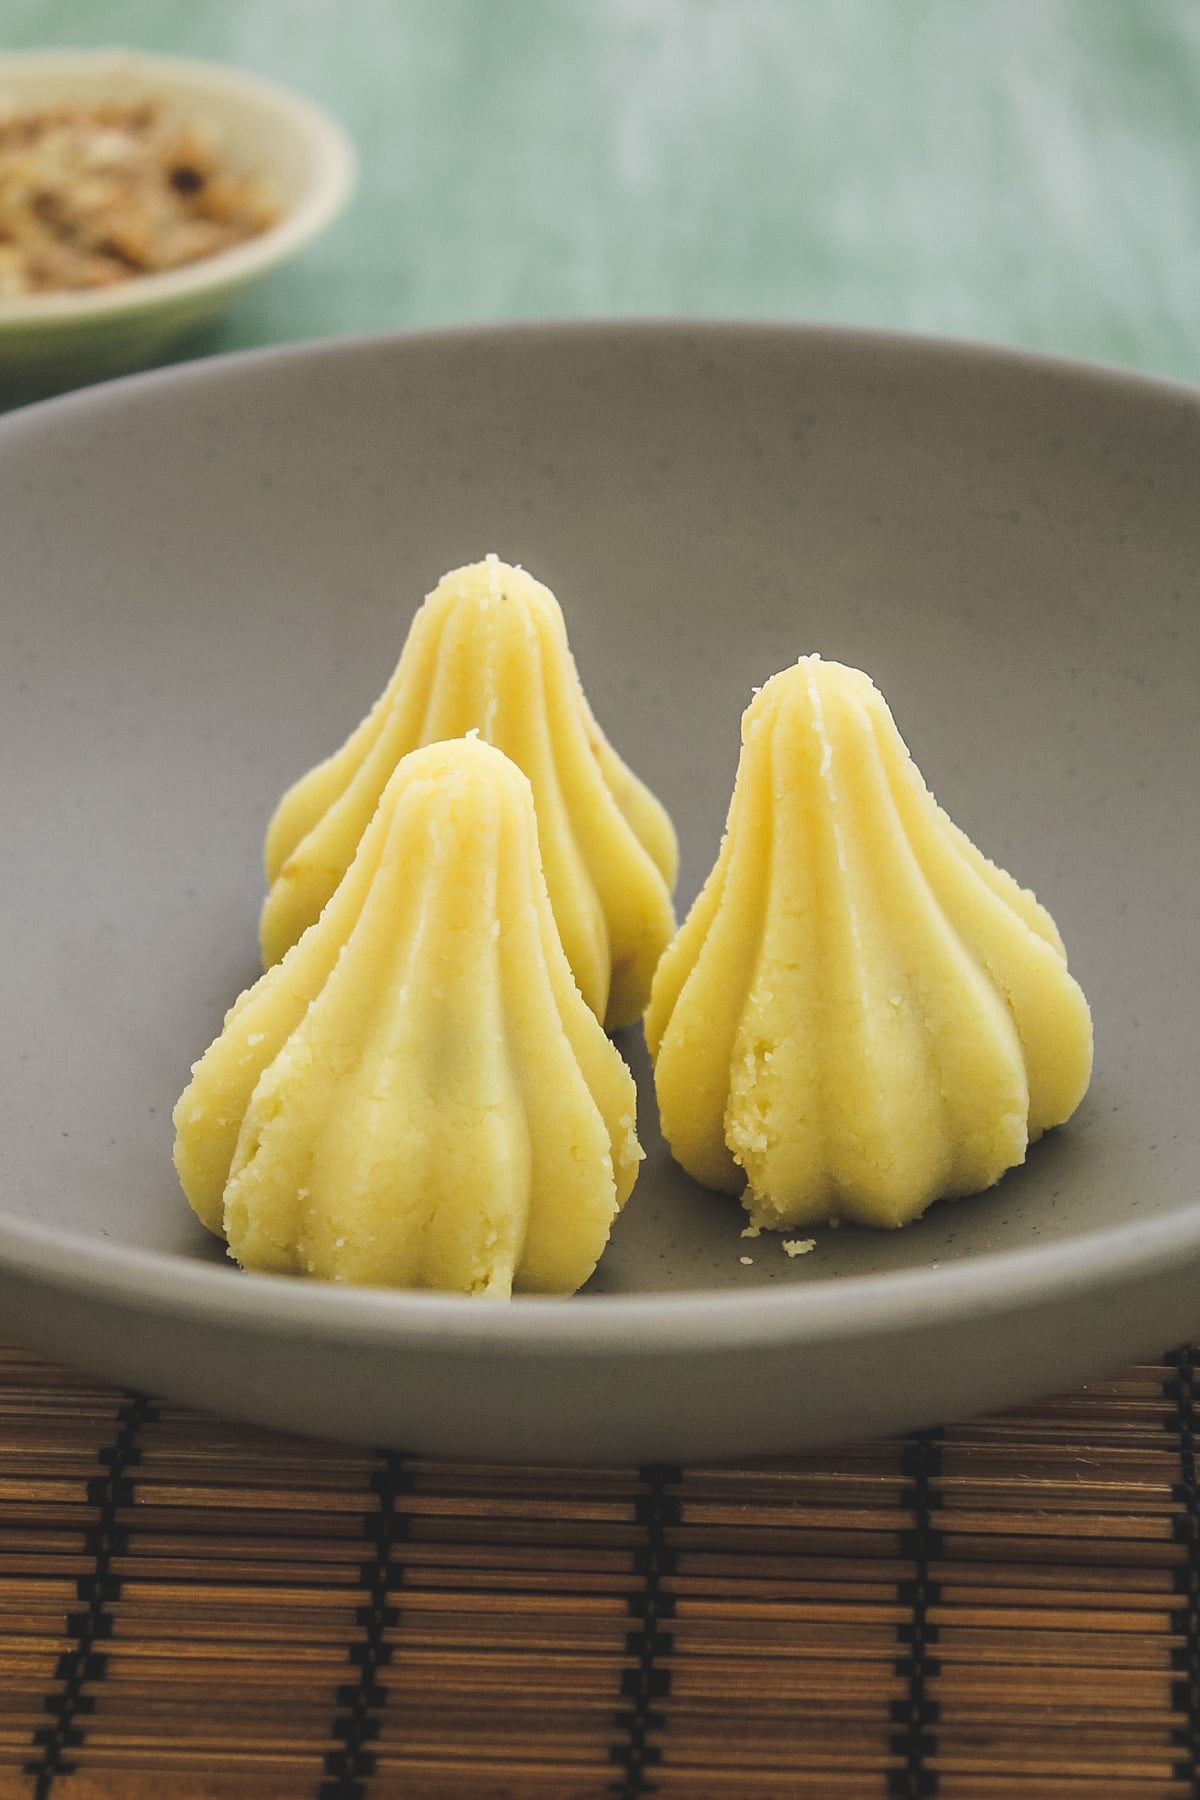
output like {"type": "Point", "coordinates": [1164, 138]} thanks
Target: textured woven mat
{"type": "Point", "coordinates": [1008, 1609]}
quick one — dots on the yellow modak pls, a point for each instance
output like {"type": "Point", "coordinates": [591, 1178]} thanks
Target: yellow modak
{"type": "Point", "coordinates": [861, 1013]}
{"type": "Point", "coordinates": [417, 1095]}
{"type": "Point", "coordinates": [488, 652]}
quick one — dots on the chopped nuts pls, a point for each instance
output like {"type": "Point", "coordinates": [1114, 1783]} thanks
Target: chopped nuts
{"type": "Point", "coordinates": [93, 195]}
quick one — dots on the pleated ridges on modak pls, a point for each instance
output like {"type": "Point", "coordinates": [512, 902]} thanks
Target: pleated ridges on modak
{"type": "Point", "coordinates": [416, 1095]}
{"type": "Point", "coordinates": [488, 652]}
{"type": "Point", "coordinates": [861, 1014]}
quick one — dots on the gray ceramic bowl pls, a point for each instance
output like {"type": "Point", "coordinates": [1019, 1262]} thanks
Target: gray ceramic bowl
{"type": "Point", "coordinates": [207, 575]}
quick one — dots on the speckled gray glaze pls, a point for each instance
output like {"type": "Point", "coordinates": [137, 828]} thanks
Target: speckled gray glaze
{"type": "Point", "coordinates": [205, 578]}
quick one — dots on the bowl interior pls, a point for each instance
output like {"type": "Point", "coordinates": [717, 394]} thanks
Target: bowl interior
{"type": "Point", "coordinates": [208, 574]}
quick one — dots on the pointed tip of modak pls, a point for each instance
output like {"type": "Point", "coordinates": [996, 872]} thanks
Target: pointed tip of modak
{"type": "Point", "coordinates": [467, 758]}
{"type": "Point", "coordinates": [493, 582]}
{"type": "Point", "coordinates": [465, 779]}
{"type": "Point", "coordinates": [807, 685]}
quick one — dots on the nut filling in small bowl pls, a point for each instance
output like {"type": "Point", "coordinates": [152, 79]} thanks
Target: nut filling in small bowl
{"type": "Point", "coordinates": [138, 194]}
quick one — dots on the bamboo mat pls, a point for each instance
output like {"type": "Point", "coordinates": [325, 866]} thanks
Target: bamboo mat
{"type": "Point", "coordinates": [1007, 1610]}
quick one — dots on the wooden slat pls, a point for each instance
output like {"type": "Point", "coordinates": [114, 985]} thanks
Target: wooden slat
{"type": "Point", "coordinates": [1007, 1610]}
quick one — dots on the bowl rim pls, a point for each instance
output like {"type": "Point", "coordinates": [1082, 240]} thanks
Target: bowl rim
{"type": "Point", "coordinates": [674, 1323]}
{"type": "Point", "coordinates": [332, 181]}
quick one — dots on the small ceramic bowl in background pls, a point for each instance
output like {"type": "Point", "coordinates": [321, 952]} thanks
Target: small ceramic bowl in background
{"type": "Point", "coordinates": [55, 340]}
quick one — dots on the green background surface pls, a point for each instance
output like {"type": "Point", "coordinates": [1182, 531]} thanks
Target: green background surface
{"type": "Point", "coordinates": [1018, 170]}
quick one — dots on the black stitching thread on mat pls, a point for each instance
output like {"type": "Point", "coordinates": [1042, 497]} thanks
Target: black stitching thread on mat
{"type": "Point", "coordinates": [646, 1682]}
{"type": "Point", "coordinates": [1185, 1623]}
{"type": "Point", "coordinates": [360, 1702]}
{"type": "Point", "coordinates": [914, 1741]}
{"type": "Point", "coordinates": [83, 1663]}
